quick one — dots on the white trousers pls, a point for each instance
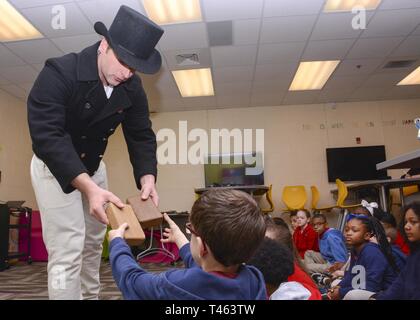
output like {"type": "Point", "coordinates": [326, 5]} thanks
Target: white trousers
{"type": "Point", "coordinates": [72, 236]}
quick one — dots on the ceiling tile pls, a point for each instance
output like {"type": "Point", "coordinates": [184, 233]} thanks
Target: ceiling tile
{"type": "Point", "coordinates": [275, 72]}
{"type": "Point", "coordinates": [35, 51]}
{"type": "Point", "coordinates": [367, 93]}
{"type": "Point", "coordinates": [409, 47]}
{"type": "Point", "coordinates": [19, 4]}
{"type": "Point", "coordinates": [417, 31]}
{"type": "Point", "coordinates": [15, 91]}
{"type": "Point", "coordinates": [266, 100]}
{"type": "Point", "coordinates": [335, 95]}
{"type": "Point", "coordinates": [19, 74]}
{"type": "Point", "coordinates": [43, 17]}
{"type": "Point", "coordinates": [246, 32]}
{"type": "Point", "coordinates": [106, 10]}
{"type": "Point", "coordinates": [374, 48]}
{"type": "Point", "coordinates": [8, 59]}
{"type": "Point", "coordinates": [399, 4]}
{"type": "Point", "coordinates": [233, 101]}
{"type": "Point", "coordinates": [280, 29]}
{"type": "Point", "coordinates": [38, 66]}
{"type": "Point", "coordinates": [175, 37]}
{"type": "Point", "coordinates": [403, 92]}
{"type": "Point", "coordinates": [403, 23]}
{"type": "Point", "coordinates": [173, 104]}
{"type": "Point", "coordinates": [345, 82]}
{"type": "Point", "coordinates": [233, 74]}
{"type": "Point", "coordinates": [327, 49]}
{"type": "Point", "coordinates": [384, 79]}
{"type": "Point", "coordinates": [232, 9]}
{"type": "Point", "coordinates": [4, 81]}
{"type": "Point", "coordinates": [204, 58]}
{"type": "Point", "coordinates": [270, 87]}
{"type": "Point", "coordinates": [231, 56]}
{"type": "Point", "coordinates": [303, 97]}
{"type": "Point", "coordinates": [199, 103]}
{"type": "Point", "coordinates": [76, 43]}
{"type": "Point", "coordinates": [357, 67]}
{"type": "Point", "coordinates": [239, 88]}
{"type": "Point", "coordinates": [27, 86]}
{"type": "Point", "coordinates": [276, 8]}
{"type": "Point", "coordinates": [280, 53]}
{"type": "Point", "coordinates": [332, 26]}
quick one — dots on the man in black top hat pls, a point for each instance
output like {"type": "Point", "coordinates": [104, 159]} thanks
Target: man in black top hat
{"type": "Point", "coordinates": [76, 103]}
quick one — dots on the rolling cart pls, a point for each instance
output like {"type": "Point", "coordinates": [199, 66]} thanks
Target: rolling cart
{"type": "Point", "coordinates": [7, 210]}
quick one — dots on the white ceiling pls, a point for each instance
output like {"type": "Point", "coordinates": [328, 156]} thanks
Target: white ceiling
{"type": "Point", "coordinates": [270, 37]}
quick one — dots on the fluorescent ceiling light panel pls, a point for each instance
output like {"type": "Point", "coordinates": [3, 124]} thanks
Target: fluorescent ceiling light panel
{"type": "Point", "coordinates": [13, 26]}
{"type": "Point", "coordinates": [412, 79]}
{"type": "Point", "coordinates": [194, 82]}
{"type": "Point", "coordinates": [173, 11]}
{"type": "Point", "coordinates": [313, 75]}
{"type": "Point", "coordinates": [348, 5]}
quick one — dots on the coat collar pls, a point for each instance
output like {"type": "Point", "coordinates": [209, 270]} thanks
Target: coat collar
{"type": "Point", "coordinates": [87, 67]}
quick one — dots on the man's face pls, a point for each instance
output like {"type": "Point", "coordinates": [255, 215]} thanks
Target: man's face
{"type": "Point", "coordinates": [113, 70]}
{"type": "Point", "coordinates": [319, 225]}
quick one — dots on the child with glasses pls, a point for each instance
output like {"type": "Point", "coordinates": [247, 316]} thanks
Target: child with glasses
{"type": "Point", "coordinates": [226, 228]}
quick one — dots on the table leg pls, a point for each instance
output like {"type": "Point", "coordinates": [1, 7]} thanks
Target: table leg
{"type": "Point", "coordinates": [402, 197]}
{"type": "Point", "coordinates": [383, 198]}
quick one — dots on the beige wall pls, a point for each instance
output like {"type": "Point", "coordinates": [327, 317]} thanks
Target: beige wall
{"type": "Point", "coordinates": [295, 142]}
{"type": "Point", "coordinates": [15, 151]}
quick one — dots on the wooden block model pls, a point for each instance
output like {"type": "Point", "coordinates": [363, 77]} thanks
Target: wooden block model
{"type": "Point", "coordinates": [134, 235]}
{"type": "Point", "coordinates": [146, 211]}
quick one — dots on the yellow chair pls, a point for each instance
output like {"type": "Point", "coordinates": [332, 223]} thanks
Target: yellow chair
{"type": "Point", "coordinates": [315, 200]}
{"type": "Point", "coordinates": [410, 190]}
{"type": "Point", "coordinates": [294, 197]}
{"type": "Point", "coordinates": [269, 198]}
{"type": "Point", "coordinates": [342, 195]}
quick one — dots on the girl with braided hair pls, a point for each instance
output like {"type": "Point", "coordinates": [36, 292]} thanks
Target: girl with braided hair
{"type": "Point", "coordinates": [372, 266]}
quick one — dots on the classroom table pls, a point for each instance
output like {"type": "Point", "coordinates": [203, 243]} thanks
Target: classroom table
{"type": "Point", "coordinates": [405, 161]}
{"type": "Point", "coordinates": [383, 186]}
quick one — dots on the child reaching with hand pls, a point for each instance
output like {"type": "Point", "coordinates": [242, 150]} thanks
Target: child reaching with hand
{"type": "Point", "coordinates": [226, 228]}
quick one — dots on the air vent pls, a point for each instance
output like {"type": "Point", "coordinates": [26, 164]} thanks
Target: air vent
{"type": "Point", "coordinates": [187, 59]}
{"type": "Point", "coordinates": [399, 64]}
{"type": "Point", "coordinates": [220, 33]}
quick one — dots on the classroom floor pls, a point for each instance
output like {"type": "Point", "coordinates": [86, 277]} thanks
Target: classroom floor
{"type": "Point", "coordinates": [29, 282]}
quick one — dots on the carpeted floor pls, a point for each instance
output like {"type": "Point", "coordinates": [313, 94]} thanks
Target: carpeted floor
{"type": "Point", "coordinates": [29, 282]}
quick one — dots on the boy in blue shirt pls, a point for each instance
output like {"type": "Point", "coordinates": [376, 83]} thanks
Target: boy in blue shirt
{"type": "Point", "coordinates": [333, 252]}
{"type": "Point", "coordinates": [226, 228]}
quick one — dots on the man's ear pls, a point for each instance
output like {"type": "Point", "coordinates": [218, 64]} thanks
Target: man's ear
{"type": "Point", "coordinates": [202, 248]}
{"type": "Point", "coordinates": [103, 46]}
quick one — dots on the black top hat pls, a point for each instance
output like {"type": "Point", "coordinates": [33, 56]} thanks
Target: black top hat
{"type": "Point", "coordinates": [133, 38]}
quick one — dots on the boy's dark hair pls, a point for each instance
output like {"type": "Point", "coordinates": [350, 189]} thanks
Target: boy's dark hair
{"type": "Point", "coordinates": [230, 222]}
{"type": "Point", "coordinates": [386, 217]}
{"type": "Point", "coordinates": [319, 216]}
{"type": "Point", "coordinates": [274, 260]}
{"type": "Point", "coordinates": [391, 233]}
{"type": "Point", "coordinates": [293, 213]}
{"type": "Point", "coordinates": [415, 206]}
{"type": "Point", "coordinates": [281, 233]}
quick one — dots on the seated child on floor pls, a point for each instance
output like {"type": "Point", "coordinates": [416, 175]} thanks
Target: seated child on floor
{"type": "Point", "coordinates": [407, 285]}
{"type": "Point", "coordinates": [293, 220]}
{"type": "Point", "coordinates": [275, 261]}
{"type": "Point", "coordinates": [226, 228]}
{"type": "Point", "coordinates": [333, 252]}
{"type": "Point", "coordinates": [279, 231]}
{"type": "Point", "coordinates": [305, 237]}
{"type": "Point", "coordinates": [372, 265]}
